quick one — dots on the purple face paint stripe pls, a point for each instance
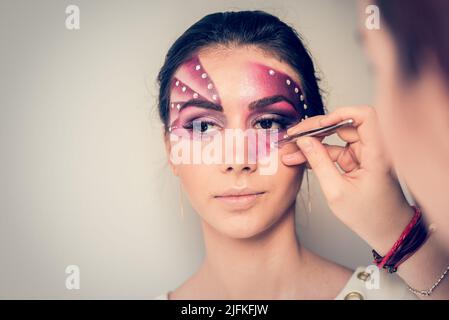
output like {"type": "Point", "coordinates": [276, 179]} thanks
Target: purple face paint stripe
{"type": "Point", "coordinates": [284, 84]}
{"type": "Point", "coordinates": [191, 82]}
{"type": "Point", "coordinates": [180, 93]}
{"type": "Point", "coordinates": [194, 74]}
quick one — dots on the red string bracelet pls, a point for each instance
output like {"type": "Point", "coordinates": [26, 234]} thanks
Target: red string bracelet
{"type": "Point", "coordinates": [381, 261]}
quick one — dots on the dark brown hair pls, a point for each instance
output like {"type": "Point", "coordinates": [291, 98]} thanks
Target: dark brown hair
{"type": "Point", "coordinates": [418, 28]}
{"type": "Point", "coordinates": [241, 28]}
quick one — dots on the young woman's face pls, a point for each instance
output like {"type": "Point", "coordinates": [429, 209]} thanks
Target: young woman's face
{"type": "Point", "coordinates": [236, 90]}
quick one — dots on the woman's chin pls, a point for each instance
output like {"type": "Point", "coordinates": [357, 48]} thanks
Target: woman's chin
{"type": "Point", "coordinates": [244, 226]}
{"type": "Point", "coordinates": [243, 234]}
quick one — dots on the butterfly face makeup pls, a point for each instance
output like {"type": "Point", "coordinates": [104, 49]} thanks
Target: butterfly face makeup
{"type": "Point", "coordinates": [273, 103]}
{"type": "Point", "coordinates": [192, 83]}
{"type": "Point", "coordinates": [282, 104]}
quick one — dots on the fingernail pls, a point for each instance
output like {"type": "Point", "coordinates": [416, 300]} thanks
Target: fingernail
{"type": "Point", "coordinates": [320, 122]}
{"type": "Point", "coordinates": [288, 157]}
{"type": "Point", "coordinates": [305, 145]}
{"type": "Point", "coordinates": [323, 120]}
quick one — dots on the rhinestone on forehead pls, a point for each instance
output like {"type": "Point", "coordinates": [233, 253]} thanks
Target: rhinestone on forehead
{"type": "Point", "coordinates": [291, 88]}
{"type": "Point", "coordinates": [201, 86]}
{"type": "Point", "coordinates": [192, 82]}
{"type": "Point", "coordinates": [195, 75]}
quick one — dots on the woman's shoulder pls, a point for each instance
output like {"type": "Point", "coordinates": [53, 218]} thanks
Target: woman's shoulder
{"type": "Point", "coordinates": [365, 283]}
{"type": "Point", "coordinates": [372, 283]}
{"type": "Point", "coordinates": [330, 276]}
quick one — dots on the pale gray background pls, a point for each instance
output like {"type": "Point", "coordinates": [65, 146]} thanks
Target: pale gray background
{"type": "Point", "coordinates": [83, 175]}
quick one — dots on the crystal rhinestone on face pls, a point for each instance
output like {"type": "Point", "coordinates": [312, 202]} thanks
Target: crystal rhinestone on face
{"type": "Point", "coordinates": [198, 67]}
{"type": "Point", "coordinates": [210, 86]}
{"type": "Point", "coordinates": [296, 90]}
{"type": "Point", "coordinates": [204, 76]}
{"type": "Point", "coordinates": [288, 81]}
{"type": "Point", "coordinates": [195, 95]}
{"type": "Point", "coordinates": [271, 72]}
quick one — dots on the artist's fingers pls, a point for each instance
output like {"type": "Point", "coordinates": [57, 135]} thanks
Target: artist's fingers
{"type": "Point", "coordinates": [293, 159]}
{"type": "Point", "coordinates": [306, 124]}
{"type": "Point", "coordinates": [321, 163]}
{"type": "Point", "coordinates": [365, 120]}
{"type": "Point", "coordinates": [347, 160]}
{"type": "Point", "coordinates": [297, 158]}
{"type": "Point", "coordinates": [343, 156]}
{"type": "Point", "coordinates": [333, 151]}
{"type": "Point", "coordinates": [348, 134]}
{"type": "Point", "coordinates": [371, 139]}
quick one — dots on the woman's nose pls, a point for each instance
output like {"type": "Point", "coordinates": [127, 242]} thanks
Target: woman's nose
{"type": "Point", "coordinates": [240, 168]}
{"type": "Point", "coordinates": [239, 158]}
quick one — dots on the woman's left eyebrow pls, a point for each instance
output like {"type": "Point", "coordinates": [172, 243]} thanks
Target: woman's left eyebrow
{"type": "Point", "coordinates": [202, 104]}
{"type": "Point", "coordinates": [268, 101]}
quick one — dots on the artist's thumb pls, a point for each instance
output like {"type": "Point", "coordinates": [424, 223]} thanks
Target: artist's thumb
{"type": "Point", "coordinates": [322, 165]}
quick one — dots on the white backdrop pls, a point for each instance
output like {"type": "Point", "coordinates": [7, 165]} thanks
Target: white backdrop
{"type": "Point", "coordinates": [83, 175]}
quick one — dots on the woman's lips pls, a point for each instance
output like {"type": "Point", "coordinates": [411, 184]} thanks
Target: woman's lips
{"type": "Point", "coordinates": [240, 200]}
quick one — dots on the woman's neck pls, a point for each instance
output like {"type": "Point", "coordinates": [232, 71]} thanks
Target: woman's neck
{"type": "Point", "coordinates": [267, 266]}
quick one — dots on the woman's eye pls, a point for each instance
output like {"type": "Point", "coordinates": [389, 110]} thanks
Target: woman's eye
{"type": "Point", "coordinates": [202, 127]}
{"type": "Point", "coordinates": [270, 124]}
{"type": "Point", "coordinates": [265, 124]}
{"type": "Point", "coordinates": [206, 127]}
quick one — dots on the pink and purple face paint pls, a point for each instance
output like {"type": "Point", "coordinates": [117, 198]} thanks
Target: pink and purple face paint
{"type": "Point", "coordinates": [193, 87]}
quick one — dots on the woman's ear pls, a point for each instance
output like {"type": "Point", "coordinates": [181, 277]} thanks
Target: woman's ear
{"type": "Point", "coordinates": [173, 167]}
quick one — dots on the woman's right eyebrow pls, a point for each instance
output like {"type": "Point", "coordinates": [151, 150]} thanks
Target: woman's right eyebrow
{"type": "Point", "coordinates": [202, 104]}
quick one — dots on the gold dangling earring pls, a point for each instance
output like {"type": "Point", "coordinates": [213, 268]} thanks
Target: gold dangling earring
{"type": "Point", "coordinates": [309, 199]}
{"type": "Point", "coordinates": [181, 203]}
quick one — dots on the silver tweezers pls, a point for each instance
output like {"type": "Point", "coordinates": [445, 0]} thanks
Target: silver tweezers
{"type": "Point", "coordinates": [317, 132]}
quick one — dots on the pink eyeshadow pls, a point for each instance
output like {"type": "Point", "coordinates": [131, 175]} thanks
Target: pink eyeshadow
{"type": "Point", "coordinates": [268, 81]}
{"type": "Point", "coordinates": [272, 82]}
{"type": "Point", "coordinates": [191, 82]}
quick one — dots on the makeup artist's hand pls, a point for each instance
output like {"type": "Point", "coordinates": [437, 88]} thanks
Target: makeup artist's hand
{"type": "Point", "coordinates": [365, 193]}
